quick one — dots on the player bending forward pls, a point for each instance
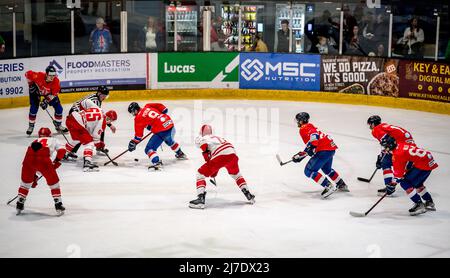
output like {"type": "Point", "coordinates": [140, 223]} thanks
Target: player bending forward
{"type": "Point", "coordinates": [86, 127]}
{"type": "Point", "coordinates": [411, 180]}
{"type": "Point", "coordinates": [321, 148]}
{"type": "Point", "coordinates": [218, 153]}
{"type": "Point", "coordinates": [91, 101]}
{"type": "Point", "coordinates": [153, 116]}
{"type": "Point", "coordinates": [45, 85]}
{"type": "Point", "coordinates": [384, 159]}
{"type": "Point", "coordinates": [38, 159]}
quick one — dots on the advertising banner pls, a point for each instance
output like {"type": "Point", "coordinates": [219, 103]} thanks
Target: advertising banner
{"type": "Point", "coordinates": [425, 80]}
{"type": "Point", "coordinates": [77, 73]}
{"type": "Point", "coordinates": [360, 75]}
{"type": "Point", "coordinates": [196, 70]}
{"type": "Point", "coordinates": [279, 71]}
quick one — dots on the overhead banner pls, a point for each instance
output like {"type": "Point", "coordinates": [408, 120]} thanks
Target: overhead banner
{"type": "Point", "coordinates": [425, 80]}
{"type": "Point", "coordinates": [196, 70]}
{"type": "Point", "coordinates": [360, 75]}
{"type": "Point", "coordinates": [279, 71]}
{"type": "Point", "coordinates": [77, 73]}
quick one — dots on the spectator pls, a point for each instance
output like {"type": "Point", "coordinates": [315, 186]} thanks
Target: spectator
{"type": "Point", "coordinates": [412, 40]}
{"type": "Point", "coordinates": [356, 44]}
{"type": "Point", "coordinates": [150, 31]}
{"type": "Point", "coordinates": [100, 38]}
{"type": "Point", "coordinates": [259, 45]}
{"type": "Point", "coordinates": [380, 32]}
{"type": "Point", "coordinates": [282, 38]}
{"type": "Point", "coordinates": [324, 46]}
{"type": "Point", "coordinates": [2, 45]}
{"type": "Point", "coordinates": [369, 26]}
{"type": "Point", "coordinates": [349, 23]}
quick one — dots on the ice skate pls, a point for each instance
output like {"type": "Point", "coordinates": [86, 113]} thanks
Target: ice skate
{"type": "Point", "coordinates": [417, 209]}
{"type": "Point", "coordinates": [70, 156]}
{"type": "Point", "coordinates": [341, 186]}
{"type": "Point", "coordinates": [60, 128]}
{"type": "Point", "coordinates": [198, 203]}
{"type": "Point", "coordinates": [429, 205]}
{"type": "Point", "coordinates": [30, 128]}
{"type": "Point", "coordinates": [180, 155]}
{"type": "Point", "coordinates": [59, 208]}
{"type": "Point", "coordinates": [20, 205]}
{"type": "Point", "coordinates": [155, 167]}
{"type": "Point", "coordinates": [250, 197]}
{"type": "Point", "coordinates": [88, 166]}
{"type": "Point", "coordinates": [330, 189]}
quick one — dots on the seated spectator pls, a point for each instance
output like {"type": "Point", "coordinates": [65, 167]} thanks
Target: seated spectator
{"type": "Point", "coordinates": [2, 45]}
{"type": "Point", "coordinates": [324, 46]}
{"type": "Point", "coordinates": [412, 41]}
{"type": "Point", "coordinates": [259, 45]}
{"type": "Point", "coordinates": [100, 38]}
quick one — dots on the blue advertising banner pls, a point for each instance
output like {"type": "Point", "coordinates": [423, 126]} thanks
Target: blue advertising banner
{"type": "Point", "coordinates": [279, 71]}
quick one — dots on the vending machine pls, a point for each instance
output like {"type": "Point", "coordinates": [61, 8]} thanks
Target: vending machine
{"type": "Point", "coordinates": [181, 26]}
{"type": "Point", "coordinates": [296, 18]}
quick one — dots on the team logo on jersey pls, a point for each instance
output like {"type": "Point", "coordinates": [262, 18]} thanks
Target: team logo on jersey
{"type": "Point", "coordinates": [252, 69]}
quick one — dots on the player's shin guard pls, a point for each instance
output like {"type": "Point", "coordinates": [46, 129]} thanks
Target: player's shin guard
{"type": "Point", "coordinates": [56, 192]}
{"type": "Point", "coordinates": [88, 152]}
{"type": "Point", "coordinates": [24, 189]}
{"type": "Point", "coordinates": [200, 184]}
{"type": "Point", "coordinates": [412, 194]}
{"type": "Point", "coordinates": [320, 179]}
{"type": "Point", "coordinates": [240, 181]}
{"type": "Point", "coordinates": [334, 176]}
{"type": "Point", "coordinates": [175, 147]}
{"type": "Point", "coordinates": [153, 156]}
{"type": "Point", "coordinates": [423, 193]}
{"type": "Point", "coordinates": [388, 176]}
{"type": "Point", "coordinates": [31, 118]}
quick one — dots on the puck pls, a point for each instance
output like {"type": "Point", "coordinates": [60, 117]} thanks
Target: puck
{"type": "Point", "coordinates": [136, 159]}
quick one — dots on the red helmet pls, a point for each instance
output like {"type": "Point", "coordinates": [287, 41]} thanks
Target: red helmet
{"type": "Point", "coordinates": [112, 115]}
{"type": "Point", "coordinates": [44, 132]}
{"type": "Point", "coordinates": [206, 130]}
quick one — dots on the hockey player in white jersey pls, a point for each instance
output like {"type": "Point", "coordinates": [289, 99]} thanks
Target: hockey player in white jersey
{"type": "Point", "coordinates": [86, 127]}
{"type": "Point", "coordinates": [218, 153]}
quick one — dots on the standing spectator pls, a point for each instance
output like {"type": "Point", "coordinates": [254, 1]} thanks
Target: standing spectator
{"type": "Point", "coordinates": [282, 38]}
{"type": "Point", "coordinates": [349, 23]}
{"type": "Point", "coordinates": [259, 45]}
{"type": "Point", "coordinates": [356, 44]}
{"type": "Point", "coordinates": [2, 45]}
{"type": "Point", "coordinates": [411, 44]}
{"type": "Point", "coordinates": [100, 38]}
{"type": "Point", "coordinates": [150, 31]}
{"type": "Point", "coordinates": [380, 32]}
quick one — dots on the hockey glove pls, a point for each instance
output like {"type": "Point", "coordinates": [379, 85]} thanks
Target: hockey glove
{"type": "Point", "coordinates": [35, 181]}
{"type": "Point", "coordinates": [56, 163]}
{"type": "Point", "coordinates": [299, 157]}
{"type": "Point", "coordinates": [100, 145]}
{"type": "Point", "coordinates": [310, 150]}
{"type": "Point", "coordinates": [390, 188]}
{"type": "Point", "coordinates": [132, 145]}
{"type": "Point", "coordinates": [44, 104]}
{"type": "Point", "coordinates": [379, 159]}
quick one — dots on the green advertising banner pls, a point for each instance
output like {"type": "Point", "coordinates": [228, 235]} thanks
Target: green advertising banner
{"type": "Point", "coordinates": [197, 70]}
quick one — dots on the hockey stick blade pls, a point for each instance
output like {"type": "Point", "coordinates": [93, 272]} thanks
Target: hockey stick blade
{"type": "Point", "coordinates": [357, 214]}
{"type": "Point", "coordinates": [363, 179]}
{"type": "Point", "coordinates": [279, 159]}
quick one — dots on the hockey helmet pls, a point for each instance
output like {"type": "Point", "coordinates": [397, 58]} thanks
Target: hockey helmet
{"type": "Point", "coordinates": [206, 130]}
{"type": "Point", "coordinates": [112, 115]}
{"type": "Point", "coordinates": [302, 117]}
{"type": "Point", "coordinates": [388, 142]}
{"type": "Point", "coordinates": [375, 120]}
{"type": "Point", "coordinates": [44, 132]}
{"type": "Point", "coordinates": [50, 71]}
{"type": "Point", "coordinates": [103, 90]}
{"type": "Point", "coordinates": [133, 108]}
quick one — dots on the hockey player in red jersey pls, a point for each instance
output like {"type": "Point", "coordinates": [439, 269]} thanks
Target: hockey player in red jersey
{"type": "Point", "coordinates": [38, 159]}
{"type": "Point", "coordinates": [321, 148]}
{"type": "Point", "coordinates": [218, 153]}
{"type": "Point", "coordinates": [411, 179]}
{"type": "Point", "coordinates": [44, 85]}
{"type": "Point", "coordinates": [86, 127]}
{"type": "Point", "coordinates": [154, 117]}
{"type": "Point", "coordinates": [384, 159]}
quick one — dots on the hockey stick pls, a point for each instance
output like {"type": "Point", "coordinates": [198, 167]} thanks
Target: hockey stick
{"type": "Point", "coordinates": [11, 200]}
{"type": "Point", "coordinates": [51, 117]}
{"type": "Point", "coordinates": [125, 151]}
{"type": "Point", "coordinates": [110, 160]}
{"type": "Point", "coordinates": [359, 214]}
{"type": "Point", "coordinates": [369, 179]}
{"type": "Point", "coordinates": [281, 162]}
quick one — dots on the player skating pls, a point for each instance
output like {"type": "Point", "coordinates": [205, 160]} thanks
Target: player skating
{"type": "Point", "coordinates": [44, 88]}
{"type": "Point", "coordinates": [384, 159]}
{"type": "Point", "coordinates": [38, 159]}
{"type": "Point", "coordinates": [154, 117]}
{"type": "Point", "coordinates": [218, 153]}
{"type": "Point", "coordinates": [86, 127]}
{"type": "Point", "coordinates": [321, 148]}
{"type": "Point", "coordinates": [411, 180]}
{"type": "Point", "coordinates": [94, 100]}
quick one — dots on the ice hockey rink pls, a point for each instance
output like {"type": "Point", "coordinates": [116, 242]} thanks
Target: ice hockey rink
{"type": "Point", "coordinates": [127, 211]}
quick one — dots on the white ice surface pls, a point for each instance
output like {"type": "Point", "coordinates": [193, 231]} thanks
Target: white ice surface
{"type": "Point", "coordinates": [127, 211]}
